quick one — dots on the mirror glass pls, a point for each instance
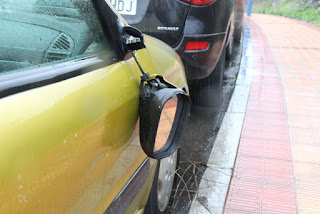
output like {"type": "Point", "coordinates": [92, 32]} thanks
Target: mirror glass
{"type": "Point", "coordinates": [165, 123]}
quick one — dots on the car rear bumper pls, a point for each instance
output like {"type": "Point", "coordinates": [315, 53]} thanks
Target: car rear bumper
{"type": "Point", "coordinates": [208, 23]}
{"type": "Point", "coordinates": [200, 63]}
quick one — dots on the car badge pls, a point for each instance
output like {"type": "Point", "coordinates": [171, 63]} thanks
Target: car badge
{"type": "Point", "coordinates": [168, 28]}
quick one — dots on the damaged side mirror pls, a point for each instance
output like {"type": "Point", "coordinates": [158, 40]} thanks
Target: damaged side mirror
{"type": "Point", "coordinates": [163, 113]}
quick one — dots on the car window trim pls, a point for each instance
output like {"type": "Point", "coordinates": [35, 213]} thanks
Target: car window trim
{"type": "Point", "coordinates": [15, 82]}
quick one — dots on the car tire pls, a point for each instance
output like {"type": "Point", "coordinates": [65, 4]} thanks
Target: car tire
{"type": "Point", "coordinates": [164, 185]}
{"type": "Point", "coordinates": [207, 92]}
{"type": "Point", "coordinates": [229, 48]}
{"type": "Point", "coordinates": [237, 34]}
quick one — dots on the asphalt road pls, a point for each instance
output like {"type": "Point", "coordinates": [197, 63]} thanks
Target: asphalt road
{"type": "Point", "coordinates": [198, 139]}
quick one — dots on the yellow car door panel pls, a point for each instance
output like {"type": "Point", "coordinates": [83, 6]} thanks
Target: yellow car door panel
{"type": "Point", "coordinates": [69, 129]}
{"type": "Point", "coordinates": [71, 141]}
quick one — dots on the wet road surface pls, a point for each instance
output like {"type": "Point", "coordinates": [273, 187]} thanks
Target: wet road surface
{"type": "Point", "coordinates": [198, 138]}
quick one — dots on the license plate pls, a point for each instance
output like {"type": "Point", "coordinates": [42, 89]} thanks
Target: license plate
{"type": "Point", "coordinates": [125, 7]}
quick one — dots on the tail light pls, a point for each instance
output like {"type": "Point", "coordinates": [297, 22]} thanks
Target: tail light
{"type": "Point", "coordinates": [199, 2]}
{"type": "Point", "coordinates": [192, 46]}
{"type": "Point", "coordinates": [240, 6]}
{"type": "Point", "coordinates": [239, 9]}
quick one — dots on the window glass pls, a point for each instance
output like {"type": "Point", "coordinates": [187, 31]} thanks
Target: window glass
{"type": "Point", "coordinates": [38, 32]}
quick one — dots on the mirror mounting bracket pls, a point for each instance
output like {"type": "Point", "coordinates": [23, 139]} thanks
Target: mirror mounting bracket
{"type": "Point", "coordinates": [133, 38]}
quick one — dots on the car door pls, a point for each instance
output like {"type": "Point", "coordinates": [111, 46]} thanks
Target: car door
{"type": "Point", "coordinates": [69, 110]}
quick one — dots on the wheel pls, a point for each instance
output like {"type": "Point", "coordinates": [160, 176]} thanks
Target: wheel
{"type": "Point", "coordinates": [229, 48]}
{"type": "Point", "coordinates": [163, 187]}
{"type": "Point", "coordinates": [207, 92]}
{"type": "Point", "coordinates": [237, 34]}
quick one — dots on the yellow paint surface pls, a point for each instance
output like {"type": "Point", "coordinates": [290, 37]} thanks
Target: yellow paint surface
{"type": "Point", "coordinates": [70, 147]}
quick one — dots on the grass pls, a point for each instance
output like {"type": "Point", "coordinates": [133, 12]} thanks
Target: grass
{"type": "Point", "coordinates": [289, 8]}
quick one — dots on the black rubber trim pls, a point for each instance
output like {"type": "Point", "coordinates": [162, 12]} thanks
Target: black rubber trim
{"type": "Point", "coordinates": [19, 81]}
{"type": "Point", "coordinates": [130, 190]}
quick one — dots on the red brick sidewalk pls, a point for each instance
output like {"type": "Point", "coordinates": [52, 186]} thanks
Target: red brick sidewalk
{"type": "Point", "coordinates": [277, 168]}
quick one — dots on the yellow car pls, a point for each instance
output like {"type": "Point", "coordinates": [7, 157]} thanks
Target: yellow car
{"type": "Point", "coordinates": [90, 111]}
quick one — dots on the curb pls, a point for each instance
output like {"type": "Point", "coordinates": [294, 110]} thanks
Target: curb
{"type": "Point", "coordinates": [214, 185]}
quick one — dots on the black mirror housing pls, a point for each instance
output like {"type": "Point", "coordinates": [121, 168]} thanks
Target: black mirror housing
{"type": "Point", "coordinates": [151, 108]}
{"type": "Point", "coordinates": [133, 38]}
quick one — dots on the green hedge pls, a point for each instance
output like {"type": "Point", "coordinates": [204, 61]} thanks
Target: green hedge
{"type": "Point", "coordinates": [289, 8]}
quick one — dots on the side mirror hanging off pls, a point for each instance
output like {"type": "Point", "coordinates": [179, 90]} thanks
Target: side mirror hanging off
{"type": "Point", "coordinates": [163, 113]}
{"type": "Point", "coordinates": [163, 107]}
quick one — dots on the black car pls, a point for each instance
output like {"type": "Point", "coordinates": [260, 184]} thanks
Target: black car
{"type": "Point", "coordinates": [201, 31]}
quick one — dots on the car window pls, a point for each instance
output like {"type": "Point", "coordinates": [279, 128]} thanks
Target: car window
{"type": "Point", "coordinates": [42, 32]}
